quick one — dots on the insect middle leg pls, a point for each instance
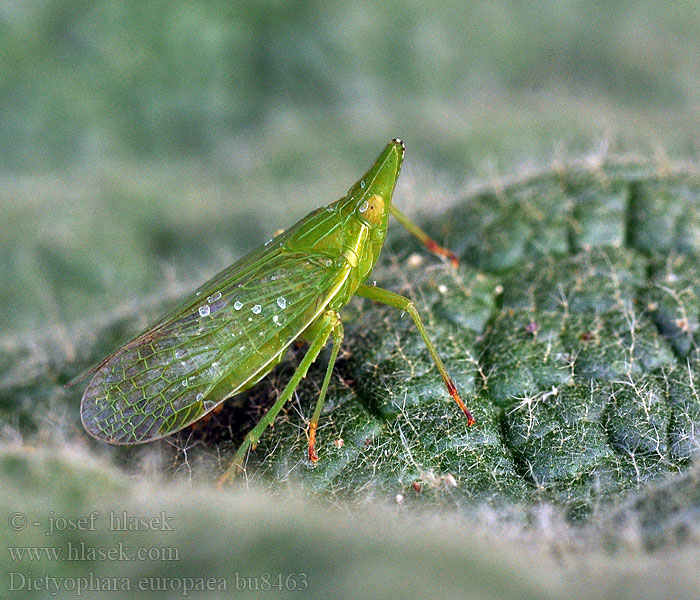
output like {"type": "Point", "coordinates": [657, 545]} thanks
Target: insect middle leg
{"type": "Point", "coordinates": [322, 333]}
{"type": "Point", "coordinates": [338, 334]}
{"type": "Point", "coordinates": [392, 299]}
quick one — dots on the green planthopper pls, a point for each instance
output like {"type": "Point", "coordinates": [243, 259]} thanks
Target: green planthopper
{"type": "Point", "coordinates": [233, 330]}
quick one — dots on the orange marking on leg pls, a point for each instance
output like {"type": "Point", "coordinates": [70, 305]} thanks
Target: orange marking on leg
{"type": "Point", "coordinates": [452, 389]}
{"type": "Point", "coordinates": [436, 248]}
{"type": "Point", "coordinates": [313, 457]}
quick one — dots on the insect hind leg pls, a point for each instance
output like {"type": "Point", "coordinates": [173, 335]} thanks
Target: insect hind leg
{"type": "Point", "coordinates": [326, 326]}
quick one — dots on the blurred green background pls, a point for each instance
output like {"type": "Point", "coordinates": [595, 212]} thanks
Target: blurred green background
{"type": "Point", "coordinates": [146, 143]}
{"type": "Point", "coordinates": [145, 146]}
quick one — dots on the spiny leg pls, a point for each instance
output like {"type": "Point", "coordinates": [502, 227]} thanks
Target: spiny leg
{"type": "Point", "coordinates": [251, 439]}
{"type": "Point", "coordinates": [392, 299]}
{"type": "Point", "coordinates": [423, 237]}
{"type": "Point", "coordinates": [338, 335]}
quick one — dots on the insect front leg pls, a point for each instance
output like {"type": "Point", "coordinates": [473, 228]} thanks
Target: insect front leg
{"type": "Point", "coordinates": [423, 237]}
{"type": "Point", "coordinates": [322, 333]}
{"type": "Point", "coordinates": [392, 299]}
{"type": "Point", "coordinates": [338, 334]}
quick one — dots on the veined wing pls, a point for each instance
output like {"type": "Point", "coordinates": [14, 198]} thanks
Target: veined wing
{"type": "Point", "coordinates": [239, 270]}
{"type": "Point", "coordinates": [216, 345]}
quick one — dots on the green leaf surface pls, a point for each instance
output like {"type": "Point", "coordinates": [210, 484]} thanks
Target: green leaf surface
{"type": "Point", "coordinates": [577, 359]}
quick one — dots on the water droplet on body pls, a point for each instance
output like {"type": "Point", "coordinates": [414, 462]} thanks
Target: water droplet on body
{"type": "Point", "coordinates": [282, 302]}
{"type": "Point", "coordinates": [204, 311]}
{"type": "Point", "coordinates": [256, 309]}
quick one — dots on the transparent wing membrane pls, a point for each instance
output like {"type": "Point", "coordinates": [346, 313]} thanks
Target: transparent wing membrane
{"type": "Point", "coordinates": [227, 334]}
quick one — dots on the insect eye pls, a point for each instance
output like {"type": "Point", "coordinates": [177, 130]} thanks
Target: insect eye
{"type": "Point", "coordinates": [372, 209]}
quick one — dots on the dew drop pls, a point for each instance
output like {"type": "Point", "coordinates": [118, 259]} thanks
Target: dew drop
{"type": "Point", "coordinates": [362, 184]}
{"type": "Point", "coordinates": [214, 297]}
{"type": "Point", "coordinates": [276, 320]}
{"type": "Point", "coordinates": [208, 404]}
{"type": "Point", "coordinates": [204, 311]}
{"type": "Point", "coordinates": [256, 309]}
{"type": "Point", "coordinates": [184, 383]}
{"type": "Point", "coordinates": [237, 305]}
{"type": "Point", "coordinates": [363, 207]}
{"type": "Point", "coordinates": [281, 302]}
{"type": "Point", "coordinates": [200, 396]}
{"type": "Point", "coordinates": [329, 262]}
